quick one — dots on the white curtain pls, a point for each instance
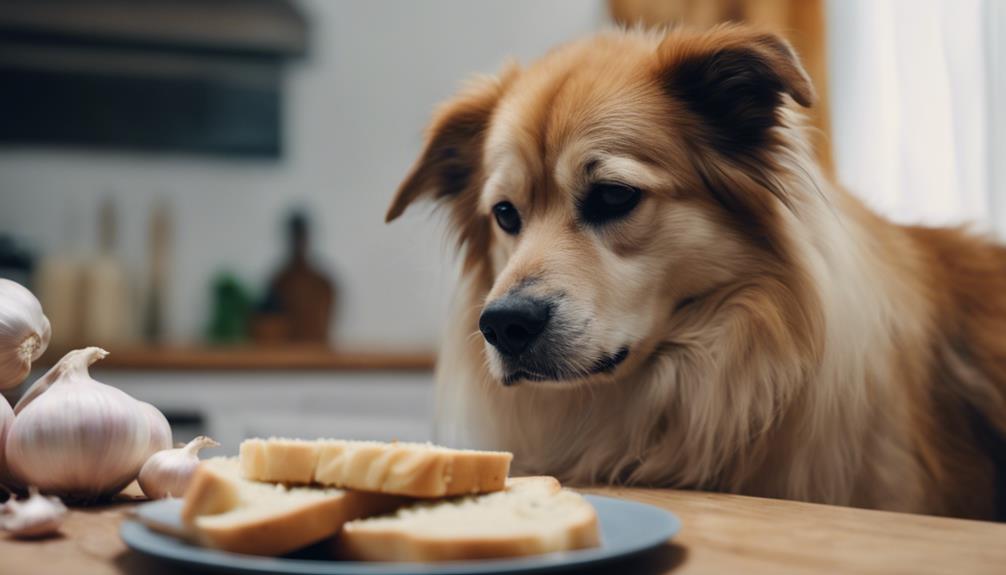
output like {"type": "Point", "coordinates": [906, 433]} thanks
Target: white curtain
{"type": "Point", "coordinates": [995, 39]}
{"type": "Point", "coordinates": [910, 107]}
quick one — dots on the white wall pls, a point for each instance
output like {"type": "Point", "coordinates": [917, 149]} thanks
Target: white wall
{"type": "Point", "coordinates": [995, 38]}
{"type": "Point", "coordinates": [355, 111]}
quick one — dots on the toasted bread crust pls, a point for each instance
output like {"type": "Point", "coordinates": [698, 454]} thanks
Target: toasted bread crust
{"type": "Point", "coordinates": [293, 528]}
{"type": "Point", "coordinates": [209, 493]}
{"type": "Point", "coordinates": [278, 529]}
{"type": "Point", "coordinates": [412, 470]}
{"type": "Point", "coordinates": [283, 461]}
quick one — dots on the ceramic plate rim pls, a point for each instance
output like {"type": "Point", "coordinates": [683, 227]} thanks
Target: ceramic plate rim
{"type": "Point", "coordinates": [147, 542]}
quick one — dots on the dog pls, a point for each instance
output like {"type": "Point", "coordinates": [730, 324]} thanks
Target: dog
{"type": "Point", "coordinates": [660, 287]}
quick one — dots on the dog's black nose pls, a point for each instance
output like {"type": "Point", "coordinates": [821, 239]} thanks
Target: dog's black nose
{"type": "Point", "coordinates": [511, 323]}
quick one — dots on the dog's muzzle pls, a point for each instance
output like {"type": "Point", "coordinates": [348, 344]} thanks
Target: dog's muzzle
{"type": "Point", "coordinates": [534, 343]}
{"type": "Point", "coordinates": [512, 323]}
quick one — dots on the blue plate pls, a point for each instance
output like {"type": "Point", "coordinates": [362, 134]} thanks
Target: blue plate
{"type": "Point", "coordinates": [627, 528]}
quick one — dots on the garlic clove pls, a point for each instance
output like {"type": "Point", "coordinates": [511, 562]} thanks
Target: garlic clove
{"type": "Point", "coordinates": [6, 419]}
{"type": "Point", "coordinates": [77, 437]}
{"type": "Point", "coordinates": [36, 516]}
{"type": "Point", "coordinates": [24, 332]}
{"type": "Point", "coordinates": [168, 473]}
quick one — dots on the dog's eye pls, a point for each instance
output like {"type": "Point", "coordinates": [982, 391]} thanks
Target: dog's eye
{"type": "Point", "coordinates": [507, 217]}
{"type": "Point", "coordinates": [606, 202]}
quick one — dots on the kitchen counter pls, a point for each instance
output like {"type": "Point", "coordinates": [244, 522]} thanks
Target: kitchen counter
{"type": "Point", "coordinates": [720, 534]}
{"type": "Point", "coordinates": [252, 358]}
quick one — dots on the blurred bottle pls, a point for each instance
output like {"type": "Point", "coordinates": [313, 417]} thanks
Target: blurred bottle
{"type": "Point", "coordinates": [301, 292]}
{"type": "Point", "coordinates": [108, 306]}
{"type": "Point", "coordinates": [270, 326]}
{"type": "Point", "coordinates": [58, 282]}
{"type": "Point", "coordinates": [159, 239]}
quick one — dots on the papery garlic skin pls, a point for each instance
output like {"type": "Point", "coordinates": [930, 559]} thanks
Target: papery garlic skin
{"type": "Point", "coordinates": [6, 420]}
{"type": "Point", "coordinates": [40, 386]}
{"type": "Point", "coordinates": [169, 472]}
{"type": "Point", "coordinates": [24, 332]}
{"type": "Point", "coordinates": [160, 429]}
{"type": "Point", "coordinates": [79, 438]}
{"type": "Point", "coordinates": [36, 516]}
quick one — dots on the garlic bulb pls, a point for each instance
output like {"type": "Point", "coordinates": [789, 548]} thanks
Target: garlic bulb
{"type": "Point", "coordinates": [76, 437]}
{"type": "Point", "coordinates": [167, 473]}
{"type": "Point", "coordinates": [6, 419]}
{"type": "Point", "coordinates": [24, 332]}
{"type": "Point", "coordinates": [160, 430]}
{"type": "Point", "coordinates": [36, 516]}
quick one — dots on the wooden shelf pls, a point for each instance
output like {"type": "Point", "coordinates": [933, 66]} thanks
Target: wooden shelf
{"type": "Point", "coordinates": [251, 358]}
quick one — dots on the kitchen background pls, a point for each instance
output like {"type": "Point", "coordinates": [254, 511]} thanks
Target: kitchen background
{"type": "Point", "coordinates": [160, 162]}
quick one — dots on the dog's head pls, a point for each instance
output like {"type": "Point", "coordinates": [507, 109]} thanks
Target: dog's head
{"type": "Point", "coordinates": [608, 187]}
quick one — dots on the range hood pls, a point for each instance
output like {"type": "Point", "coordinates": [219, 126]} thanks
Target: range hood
{"type": "Point", "coordinates": [191, 76]}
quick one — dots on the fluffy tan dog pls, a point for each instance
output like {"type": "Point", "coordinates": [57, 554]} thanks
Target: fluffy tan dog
{"type": "Point", "coordinates": [661, 288]}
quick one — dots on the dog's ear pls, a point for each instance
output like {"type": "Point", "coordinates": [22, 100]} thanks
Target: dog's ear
{"type": "Point", "coordinates": [449, 163]}
{"type": "Point", "coordinates": [735, 79]}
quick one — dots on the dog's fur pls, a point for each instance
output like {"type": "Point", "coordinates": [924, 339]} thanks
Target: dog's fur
{"type": "Point", "coordinates": [784, 341]}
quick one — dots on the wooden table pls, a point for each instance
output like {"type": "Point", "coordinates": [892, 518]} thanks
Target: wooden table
{"type": "Point", "coordinates": [721, 534]}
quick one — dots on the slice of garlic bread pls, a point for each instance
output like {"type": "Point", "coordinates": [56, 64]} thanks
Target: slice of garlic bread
{"type": "Point", "coordinates": [223, 510]}
{"type": "Point", "coordinates": [532, 515]}
{"type": "Point", "coordinates": [410, 469]}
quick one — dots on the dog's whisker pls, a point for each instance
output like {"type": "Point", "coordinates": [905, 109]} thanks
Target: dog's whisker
{"type": "Point", "coordinates": [474, 335]}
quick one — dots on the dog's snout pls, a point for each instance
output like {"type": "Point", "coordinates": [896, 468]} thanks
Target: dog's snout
{"type": "Point", "coordinates": [511, 323]}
